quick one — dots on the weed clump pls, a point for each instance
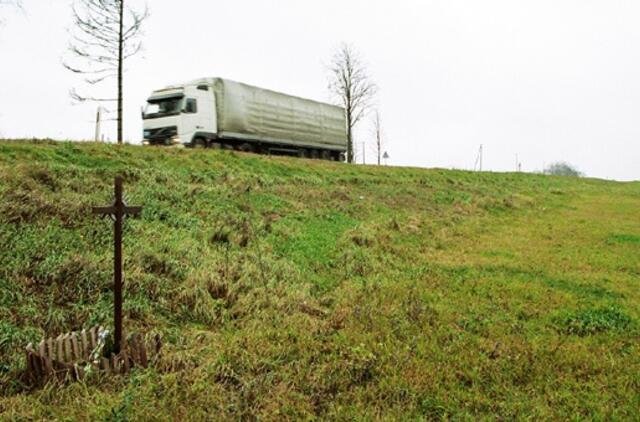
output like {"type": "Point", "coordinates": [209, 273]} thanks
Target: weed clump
{"type": "Point", "coordinates": [594, 321]}
{"type": "Point", "coordinates": [624, 238]}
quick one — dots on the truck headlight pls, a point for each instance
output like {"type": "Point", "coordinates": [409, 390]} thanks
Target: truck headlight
{"type": "Point", "coordinates": [146, 143]}
{"type": "Point", "coordinates": [175, 141]}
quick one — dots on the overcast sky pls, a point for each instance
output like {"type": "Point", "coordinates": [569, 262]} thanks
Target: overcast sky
{"type": "Point", "coordinates": [548, 80]}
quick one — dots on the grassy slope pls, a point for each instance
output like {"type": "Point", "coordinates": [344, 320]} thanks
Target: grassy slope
{"type": "Point", "coordinates": [289, 288]}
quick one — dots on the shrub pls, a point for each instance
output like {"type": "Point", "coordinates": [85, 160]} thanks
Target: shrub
{"type": "Point", "coordinates": [562, 169]}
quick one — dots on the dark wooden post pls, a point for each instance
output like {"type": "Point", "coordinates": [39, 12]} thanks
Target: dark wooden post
{"type": "Point", "coordinates": [118, 211]}
{"type": "Point", "coordinates": [117, 265]}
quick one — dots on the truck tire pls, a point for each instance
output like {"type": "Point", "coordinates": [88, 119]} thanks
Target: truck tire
{"type": "Point", "coordinates": [326, 155]}
{"type": "Point", "coordinates": [246, 147]}
{"type": "Point", "coordinates": [199, 143]}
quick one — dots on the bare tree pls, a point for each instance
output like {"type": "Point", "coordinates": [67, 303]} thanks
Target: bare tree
{"type": "Point", "coordinates": [352, 86]}
{"type": "Point", "coordinates": [378, 136]}
{"type": "Point", "coordinates": [105, 34]}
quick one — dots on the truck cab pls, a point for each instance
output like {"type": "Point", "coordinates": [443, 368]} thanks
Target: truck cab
{"type": "Point", "coordinates": [180, 116]}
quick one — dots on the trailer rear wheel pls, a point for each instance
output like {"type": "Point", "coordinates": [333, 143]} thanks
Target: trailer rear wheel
{"type": "Point", "coordinates": [199, 143]}
{"type": "Point", "coordinates": [246, 147]}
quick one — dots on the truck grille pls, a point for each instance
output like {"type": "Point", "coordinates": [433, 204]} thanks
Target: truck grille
{"type": "Point", "coordinates": [161, 133]}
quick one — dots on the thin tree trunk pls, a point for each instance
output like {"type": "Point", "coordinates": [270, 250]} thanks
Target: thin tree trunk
{"type": "Point", "coordinates": [349, 141]}
{"type": "Point", "coordinates": [378, 137]}
{"type": "Point", "coordinates": [120, 94]}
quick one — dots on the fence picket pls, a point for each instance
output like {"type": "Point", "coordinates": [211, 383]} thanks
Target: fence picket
{"type": "Point", "coordinates": [60, 348]}
{"type": "Point", "coordinates": [86, 347]}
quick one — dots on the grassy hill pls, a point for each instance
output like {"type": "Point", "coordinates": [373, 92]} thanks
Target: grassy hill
{"type": "Point", "coordinates": [289, 289]}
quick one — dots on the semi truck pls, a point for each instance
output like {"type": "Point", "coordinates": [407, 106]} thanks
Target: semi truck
{"type": "Point", "coordinates": [220, 113]}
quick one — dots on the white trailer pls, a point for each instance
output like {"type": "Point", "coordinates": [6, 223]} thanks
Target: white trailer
{"type": "Point", "coordinates": [219, 113]}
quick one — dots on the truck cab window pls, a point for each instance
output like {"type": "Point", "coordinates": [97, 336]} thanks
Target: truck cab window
{"type": "Point", "coordinates": [191, 106]}
{"type": "Point", "coordinates": [163, 107]}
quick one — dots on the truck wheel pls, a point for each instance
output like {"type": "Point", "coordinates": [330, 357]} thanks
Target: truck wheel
{"type": "Point", "coordinates": [199, 143]}
{"type": "Point", "coordinates": [326, 155]}
{"type": "Point", "coordinates": [246, 147]}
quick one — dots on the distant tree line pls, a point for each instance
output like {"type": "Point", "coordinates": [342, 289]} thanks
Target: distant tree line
{"type": "Point", "coordinates": [562, 168]}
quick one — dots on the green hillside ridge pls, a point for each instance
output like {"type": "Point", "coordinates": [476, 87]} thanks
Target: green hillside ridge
{"type": "Point", "coordinates": [297, 289]}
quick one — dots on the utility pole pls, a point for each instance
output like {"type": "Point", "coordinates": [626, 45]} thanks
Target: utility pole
{"type": "Point", "coordinates": [98, 122]}
{"type": "Point", "coordinates": [478, 164]}
{"type": "Point", "coordinates": [363, 154]}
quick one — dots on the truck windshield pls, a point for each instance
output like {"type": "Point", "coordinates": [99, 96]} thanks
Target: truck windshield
{"type": "Point", "coordinates": [163, 107]}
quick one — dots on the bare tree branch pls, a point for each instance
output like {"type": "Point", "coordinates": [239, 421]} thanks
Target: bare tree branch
{"type": "Point", "coordinates": [82, 98]}
{"type": "Point", "coordinates": [351, 85]}
{"type": "Point", "coordinates": [105, 34]}
{"type": "Point", "coordinates": [15, 3]}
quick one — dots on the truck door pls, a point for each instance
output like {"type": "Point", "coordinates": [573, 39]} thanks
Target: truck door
{"type": "Point", "coordinates": [198, 115]}
{"type": "Point", "coordinates": [206, 116]}
{"type": "Point", "coordinates": [189, 120]}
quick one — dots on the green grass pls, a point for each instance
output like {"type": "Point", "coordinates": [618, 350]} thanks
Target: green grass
{"type": "Point", "coordinates": [624, 238]}
{"type": "Point", "coordinates": [291, 289]}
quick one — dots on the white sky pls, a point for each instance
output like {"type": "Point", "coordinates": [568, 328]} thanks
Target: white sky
{"type": "Point", "coordinates": [545, 79]}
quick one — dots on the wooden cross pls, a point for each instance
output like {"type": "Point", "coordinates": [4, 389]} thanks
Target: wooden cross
{"type": "Point", "coordinates": [118, 211]}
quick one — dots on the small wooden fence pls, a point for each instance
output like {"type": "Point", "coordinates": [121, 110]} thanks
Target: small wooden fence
{"type": "Point", "coordinates": [73, 354]}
